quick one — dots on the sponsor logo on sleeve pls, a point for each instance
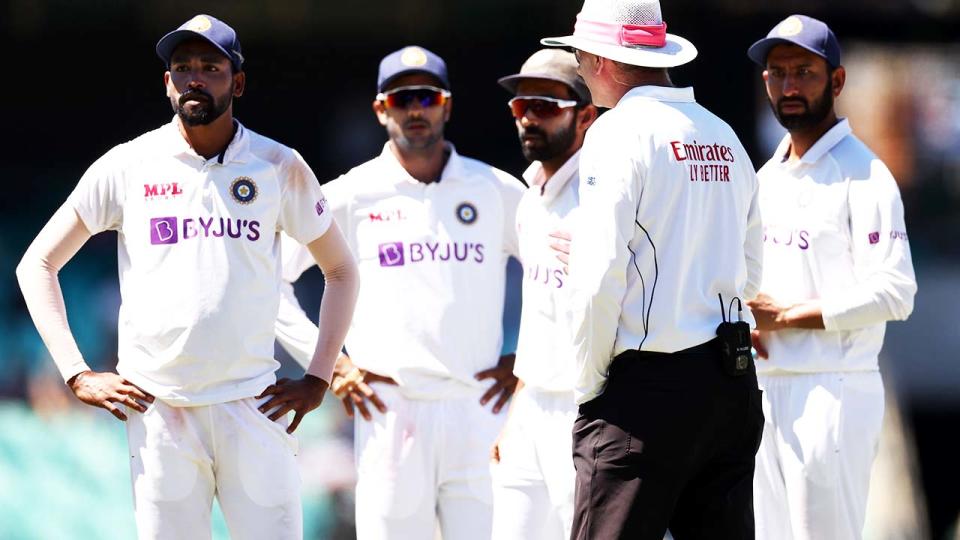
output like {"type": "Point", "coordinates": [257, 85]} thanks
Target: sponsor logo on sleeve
{"type": "Point", "coordinates": [591, 180]}
{"type": "Point", "coordinates": [321, 206]}
{"type": "Point", "coordinates": [467, 213]}
{"type": "Point", "coordinates": [243, 190]}
{"type": "Point", "coordinates": [874, 237]}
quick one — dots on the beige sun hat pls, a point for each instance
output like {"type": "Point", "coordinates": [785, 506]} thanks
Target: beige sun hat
{"type": "Point", "coordinates": [628, 31]}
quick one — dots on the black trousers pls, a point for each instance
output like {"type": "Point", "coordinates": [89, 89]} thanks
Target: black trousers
{"type": "Point", "coordinates": [669, 444]}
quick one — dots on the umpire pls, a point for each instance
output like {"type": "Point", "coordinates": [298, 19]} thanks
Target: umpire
{"type": "Point", "coordinates": [670, 416]}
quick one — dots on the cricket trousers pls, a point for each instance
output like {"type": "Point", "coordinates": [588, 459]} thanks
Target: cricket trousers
{"type": "Point", "coordinates": [669, 444]}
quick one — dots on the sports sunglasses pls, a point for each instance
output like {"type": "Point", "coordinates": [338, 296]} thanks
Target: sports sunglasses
{"type": "Point", "coordinates": [541, 106]}
{"type": "Point", "coordinates": [405, 96]}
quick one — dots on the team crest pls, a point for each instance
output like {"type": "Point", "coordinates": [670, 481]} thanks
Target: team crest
{"type": "Point", "coordinates": [243, 189]}
{"type": "Point", "coordinates": [198, 24]}
{"type": "Point", "coordinates": [467, 213]}
{"type": "Point", "coordinates": [413, 57]}
{"type": "Point", "coordinates": [790, 27]}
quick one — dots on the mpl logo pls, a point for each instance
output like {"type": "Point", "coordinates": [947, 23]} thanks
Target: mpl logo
{"type": "Point", "coordinates": [161, 191]}
{"type": "Point", "coordinates": [163, 230]}
{"type": "Point", "coordinates": [391, 254]}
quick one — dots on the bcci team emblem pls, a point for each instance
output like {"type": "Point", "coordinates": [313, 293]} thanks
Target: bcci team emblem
{"type": "Point", "coordinates": [413, 57]}
{"type": "Point", "coordinates": [198, 24]}
{"type": "Point", "coordinates": [243, 189]}
{"type": "Point", "coordinates": [790, 27]}
{"type": "Point", "coordinates": [467, 213]}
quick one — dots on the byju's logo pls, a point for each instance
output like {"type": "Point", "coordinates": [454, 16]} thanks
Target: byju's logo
{"type": "Point", "coordinates": [163, 230]}
{"type": "Point", "coordinates": [391, 254]}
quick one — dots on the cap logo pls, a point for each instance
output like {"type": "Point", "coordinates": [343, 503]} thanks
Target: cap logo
{"type": "Point", "coordinates": [198, 24]}
{"type": "Point", "coordinates": [413, 57]}
{"type": "Point", "coordinates": [791, 26]}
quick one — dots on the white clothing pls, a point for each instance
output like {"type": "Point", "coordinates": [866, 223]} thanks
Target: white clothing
{"type": "Point", "coordinates": [198, 257]}
{"type": "Point", "coordinates": [181, 456]}
{"type": "Point", "coordinates": [668, 220]}
{"type": "Point", "coordinates": [423, 460]}
{"type": "Point", "coordinates": [544, 357]}
{"type": "Point", "coordinates": [432, 260]}
{"type": "Point", "coordinates": [820, 437]}
{"type": "Point", "coordinates": [834, 231]}
{"type": "Point", "coordinates": [533, 485]}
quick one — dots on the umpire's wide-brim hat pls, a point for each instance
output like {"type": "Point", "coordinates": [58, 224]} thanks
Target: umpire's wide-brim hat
{"type": "Point", "coordinates": [628, 31]}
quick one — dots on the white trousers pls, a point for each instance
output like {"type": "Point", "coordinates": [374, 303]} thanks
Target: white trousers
{"type": "Point", "coordinates": [180, 457]}
{"type": "Point", "coordinates": [424, 461]}
{"type": "Point", "coordinates": [533, 485]}
{"type": "Point", "coordinates": [821, 435]}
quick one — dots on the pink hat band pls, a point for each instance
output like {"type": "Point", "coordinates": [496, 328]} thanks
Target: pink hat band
{"type": "Point", "coordinates": [652, 35]}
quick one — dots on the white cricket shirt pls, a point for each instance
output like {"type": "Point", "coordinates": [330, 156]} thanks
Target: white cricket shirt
{"type": "Point", "coordinates": [198, 250]}
{"type": "Point", "coordinates": [834, 231]}
{"type": "Point", "coordinates": [432, 261]}
{"type": "Point", "coordinates": [544, 356]}
{"type": "Point", "coordinates": [668, 219]}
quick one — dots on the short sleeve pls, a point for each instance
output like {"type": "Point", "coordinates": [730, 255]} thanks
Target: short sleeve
{"type": "Point", "coordinates": [98, 197]}
{"type": "Point", "coordinates": [304, 214]}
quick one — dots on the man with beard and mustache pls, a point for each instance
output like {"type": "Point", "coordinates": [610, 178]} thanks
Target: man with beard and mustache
{"type": "Point", "coordinates": [534, 475]}
{"type": "Point", "coordinates": [432, 231]}
{"type": "Point", "coordinates": [836, 268]}
{"type": "Point", "coordinates": [198, 204]}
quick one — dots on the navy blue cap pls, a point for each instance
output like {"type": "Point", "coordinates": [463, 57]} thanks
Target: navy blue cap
{"type": "Point", "coordinates": [210, 29]}
{"type": "Point", "coordinates": [802, 31]}
{"type": "Point", "coordinates": [409, 60]}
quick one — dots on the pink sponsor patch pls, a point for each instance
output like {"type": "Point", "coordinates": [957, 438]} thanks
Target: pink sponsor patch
{"type": "Point", "coordinates": [874, 237]}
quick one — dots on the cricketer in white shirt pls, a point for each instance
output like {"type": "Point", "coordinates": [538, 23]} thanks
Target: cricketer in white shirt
{"type": "Point", "coordinates": [432, 260]}
{"type": "Point", "coordinates": [833, 232]}
{"type": "Point", "coordinates": [643, 279]}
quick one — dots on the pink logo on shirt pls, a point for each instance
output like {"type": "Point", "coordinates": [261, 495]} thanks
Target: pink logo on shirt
{"type": "Point", "coordinates": [391, 254]}
{"type": "Point", "coordinates": [874, 237]}
{"type": "Point", "coordinates": [320, 206]}
{"type": "Point", "coordinates": [164, 191]}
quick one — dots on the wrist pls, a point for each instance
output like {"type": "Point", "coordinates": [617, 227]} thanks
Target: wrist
{"type": "Point", "coordinates": [72, 382]}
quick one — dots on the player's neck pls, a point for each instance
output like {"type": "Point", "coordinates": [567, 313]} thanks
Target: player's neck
{"type": "Point", "coordinates": [211, 139]}
{"type": "Point", "coordinates": [425, 165]}
{"type": "Point", "coordinates": [802, 140]}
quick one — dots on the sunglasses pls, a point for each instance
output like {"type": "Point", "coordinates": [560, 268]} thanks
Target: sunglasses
{"type": "Point", "coordinates": [541, 106]}
{"type": "Point", "coordinates": [405, 96]}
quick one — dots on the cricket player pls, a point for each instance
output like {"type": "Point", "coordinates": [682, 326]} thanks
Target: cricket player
{"type": "Point", "coordinates": [534, 476]}
{"type": "Point", "coordinates": [836, 268]}
{"type": "Point", "coordinates": [198, 205]}
{"type": "Point", "coordinates": [431, 231]}
{"type": "Point", "coordinates": [670, 417]}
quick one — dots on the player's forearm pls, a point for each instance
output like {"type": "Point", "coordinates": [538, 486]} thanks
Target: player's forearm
{"type": "Point", "coordinates": [879, 299]}
{"type": "Point", "coordinates": [808, 315]}
{"type": "Point", "coordinates": [37, 275]}
{"type": "Point", "coordinates": [295, 331]}
{"type": "Point", "coordinates": [336, 311]}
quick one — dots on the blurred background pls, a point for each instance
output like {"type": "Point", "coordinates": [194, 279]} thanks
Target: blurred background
{"type": "Point", "coordinates": [81, 77]}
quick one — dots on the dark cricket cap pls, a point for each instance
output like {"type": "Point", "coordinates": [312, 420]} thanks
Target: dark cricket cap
{"type": "Point", "coordinates": [802, 31]}
{"type": "Point", "coordinates": [412, 59]}
{"type": "Point", "coordinates": [553, 65]}
{"type": "Point", "coordinates": [210, 29]}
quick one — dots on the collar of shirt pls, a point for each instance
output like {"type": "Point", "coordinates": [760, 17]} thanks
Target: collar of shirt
{"type": "Point", "coordinates": [236, 151]}
{"type": "Point", "coordinates": [827, 141]}
{"type": "Point", "coordinates": [394, 171]}
{"type": "Point", "coordinates": [659, 93]}
{"type": "Point", "coordinates": [535, 178]}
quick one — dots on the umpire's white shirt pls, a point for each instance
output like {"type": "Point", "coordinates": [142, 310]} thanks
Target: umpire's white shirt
{"type": "Point", "coordinates": [668, 220]}
{"type": "Point", "coordinates": [544, 357]}
{"type": "Point", "coordinates": [834, 231]}
{"type": "Point", "coordinates": [432, 260]}
{"type": "Point", "coordinates": [199, 257]}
